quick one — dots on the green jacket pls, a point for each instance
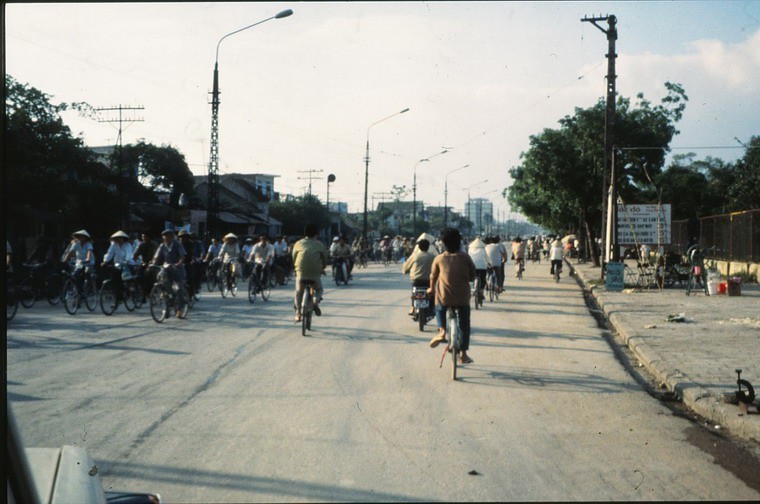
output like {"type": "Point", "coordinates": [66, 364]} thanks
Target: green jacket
{"type": "Point", "coordinates": [309, 258]}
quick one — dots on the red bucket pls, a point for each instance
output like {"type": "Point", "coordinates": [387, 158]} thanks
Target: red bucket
{"type": "Point", "coordinates": [722, 287]}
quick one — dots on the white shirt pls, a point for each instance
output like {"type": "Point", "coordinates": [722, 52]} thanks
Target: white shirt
{"type": "Point", "coordinates": [120, 254]}
{"type": "Point", "coordinates": [80, 253]}
{"type": "Point", "coordinates": [479, 257]}
{"type": "Point", "coordinates": [556, 253]}
{"type": "Point", "coordinates": [262, 254]}
{"type": "Point", "coordinates": [493, 251]}
{"type": "Point", "coordinates": [280, 248]}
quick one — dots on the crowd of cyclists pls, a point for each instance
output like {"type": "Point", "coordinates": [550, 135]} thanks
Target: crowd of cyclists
{"type": "Point", "coordinates": [446, 265]}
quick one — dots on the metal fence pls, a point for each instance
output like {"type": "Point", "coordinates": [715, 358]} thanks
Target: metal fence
{"type": "Point", "coordinates": [729, 237]}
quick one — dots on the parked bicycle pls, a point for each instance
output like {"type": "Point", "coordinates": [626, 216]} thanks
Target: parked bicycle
{"type": "Point", "coordinates": [164, 296]}
{"type": "Point", "coordinates": [39, 284]}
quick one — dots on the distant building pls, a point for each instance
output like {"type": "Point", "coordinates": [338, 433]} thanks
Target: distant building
{"type": "Point", "coordinates": [244, 204]}
{"type": "Point", "coordinates": [479, 211]}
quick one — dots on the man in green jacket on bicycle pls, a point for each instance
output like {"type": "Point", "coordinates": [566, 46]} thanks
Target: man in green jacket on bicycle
{"type": "Point", "coordinates": [309, 261]}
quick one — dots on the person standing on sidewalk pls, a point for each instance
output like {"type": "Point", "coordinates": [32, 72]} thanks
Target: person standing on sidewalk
{"type": "Point", "coordinates": [450, 278]}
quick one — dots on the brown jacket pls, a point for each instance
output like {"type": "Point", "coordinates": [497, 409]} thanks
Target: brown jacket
{"type": "Point", "coordinates": [450, 277]}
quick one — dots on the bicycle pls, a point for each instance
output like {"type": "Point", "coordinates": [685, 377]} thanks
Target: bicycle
{"type": "Point", "coordinates": [477, 297]}
{"type": "Point", "coordinates": [454, 338]}
{"type": "Point", "coordinates": [227, 280]}
{"type": "Point", "coordinates": [307, 305]}
{"type": "Point", "coordinates": [492, 285]}
{"type": "Point", "coordinates": [129, 292]}
{"type": "Point", "coordinates": [259, 286]}
{"type": "Point", "coordinates": [519, 267]}
{"type": "Point", "coordinates": [557, 271]}
{"type": "Point", "coordinates": [164, 295]}
{"type": "Point", "coordinates": [340, 271]}
{"type": "Point", "coordinates": [76, 290]}
{"type": "Point", "coordinates": [212, 275]}
{"type": "Point", "coordinates": [11, 299]}
{"type": "Point", "coordinates": [35, 286]}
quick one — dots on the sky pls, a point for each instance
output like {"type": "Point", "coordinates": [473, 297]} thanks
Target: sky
{"type": "Point", "coordinates": [306, 92]}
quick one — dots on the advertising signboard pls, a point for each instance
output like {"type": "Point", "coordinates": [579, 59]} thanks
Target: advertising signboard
{"type": "Point", "coordinates": [650, 224]}
{"type": "Point", "coordinates": [614, 276]}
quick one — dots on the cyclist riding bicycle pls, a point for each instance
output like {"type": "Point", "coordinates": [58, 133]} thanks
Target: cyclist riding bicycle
{"type": "Point", "coordinates": [495, 258]}
{"type": "Point", "coordinates": [230, 253]}
{"type": "Point", "coordinates": [341, 252]}
{"type": "Point", "coordinates": [120, 252]}
{"type": "Point", "coordinates": [450, 278]}
{"type": "Point", "coordinates": [418, 267]}
{"type": "Point", "coordinates": [385, 248]}
{"type": "Point", "coordinates": [518, 254]}
{"type": "Point", "coordinates": [191, 273]}
{"type": "Point", "coordinates": [81, 252]}
{"type": "Point", "coordinates": [477, 252]}
{"type": "Point", "coordinates": [261, 257]}
{"type": "Point", "coordinates": [309, 260]}
{"type": "Point", "coordinates": [555, 255]}
{"type": "Point", "coordinates": [172, 252]}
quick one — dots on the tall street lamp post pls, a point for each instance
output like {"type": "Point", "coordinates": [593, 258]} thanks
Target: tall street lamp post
{"type": "Point", "coordinates": [446, 195]}
{"type": "Point", "coordinates": [366, 172]}
{"type": "Point", "coordinates": [330, 180]}
{"type": "Point", "coordinates": [414, 190]}
{"type": "Point", "coordinates": [212, 211]}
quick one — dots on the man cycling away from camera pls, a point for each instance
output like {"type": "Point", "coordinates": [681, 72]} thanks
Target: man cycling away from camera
{"type": "Point", "coordinates": [450, 278]}
{"type": "Point", "coordinates": [309, 261]}
{"type": "Point", "coordinates": [418, 267]}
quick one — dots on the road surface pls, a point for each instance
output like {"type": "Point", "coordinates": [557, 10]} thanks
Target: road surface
{"type": "Point", "coordinates": [234, 405]}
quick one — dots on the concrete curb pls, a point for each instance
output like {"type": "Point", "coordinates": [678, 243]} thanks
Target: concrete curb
{"type": "Point", "coordinates": [696, 398]}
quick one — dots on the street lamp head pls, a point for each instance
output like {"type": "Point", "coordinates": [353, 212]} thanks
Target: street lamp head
{"type": "Point", "coordinates": [330, 178]}
{"type": "Point", "coordinates": [283, 14]}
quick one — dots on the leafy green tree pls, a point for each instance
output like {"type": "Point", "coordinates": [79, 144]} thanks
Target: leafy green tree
{"type": "Point", "coordinates": [559, 180]}
{"type": "Point", "coordinates": [297, 212]}
{"type": "Point", "coordinates": [159, 168]}
{"type": "Point", "coordinates": [744, 191]}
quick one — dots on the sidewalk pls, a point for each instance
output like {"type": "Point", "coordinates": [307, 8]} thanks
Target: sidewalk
{"type": "Point", "coordinates": [695, 359]}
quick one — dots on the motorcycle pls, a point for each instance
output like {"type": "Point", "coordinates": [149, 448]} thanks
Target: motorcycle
{"type": "Point", "coordinates": [424, 310]}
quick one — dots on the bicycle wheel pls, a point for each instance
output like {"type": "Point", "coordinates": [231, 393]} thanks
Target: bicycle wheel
{"type": "Point", "coordinates": [11, 303]}
{"type": "Point", "coordinates": [138, 295]}
{"type": "Point", "coordinates": [26, 293]}
{"type": "Point", "coordinates": [453, 327]}
{"type": "Point", "coordinates": [305, 311]}
{"type": "Point", "coordinates": [54, 289]}
{"type": "Point", "coordinates": [90, 293]}
{"type": "Point", "coordinates": [158, 305]}
{"type": "Point", "coordinates": [70, 296]}
{"type": "Point", "coordinates": [422, 318]}
{"type": "Point", "coordinates": [107, 298]}
{"type": "Point", "coordinates": [211, 279]}
{"type": "Point", "coordinates": [344, 273]}
{"type": "Point", "coordinates": [129, 296]}
{"type": "Point", "coordinates": [266, 290]}
{"type": "Point", "coordinates": [233, 286]}
{"type": "Point", "coordinates": [189, 297]}
{"type": "Point", "coordinates": [491, 289]}
{"type": "Point", "coordinates": [252, 289]}
{"type": "Point", "coordinates": [476, 293]}
{"type": "Point", "coordinates": [224, 287]}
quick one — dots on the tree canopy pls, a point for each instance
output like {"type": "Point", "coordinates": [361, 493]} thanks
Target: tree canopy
{"type": "Point", "coordinates": [160, 168]}
{"type": "Point", "coordinates": [299, 211]}
{"type": "Point", "coordinates": [559, 180]}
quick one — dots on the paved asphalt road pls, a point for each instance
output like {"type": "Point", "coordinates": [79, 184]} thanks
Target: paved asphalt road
{"type": "Point", "coordinates": [234, 405]}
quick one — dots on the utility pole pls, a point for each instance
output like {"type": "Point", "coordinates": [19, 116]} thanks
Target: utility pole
{"type": "Point", "coordinates": [310, 176]}
{"type": "Point", "coordinates": [609, 218]}
{"type": "Point", "coordinates": [120, 120]}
